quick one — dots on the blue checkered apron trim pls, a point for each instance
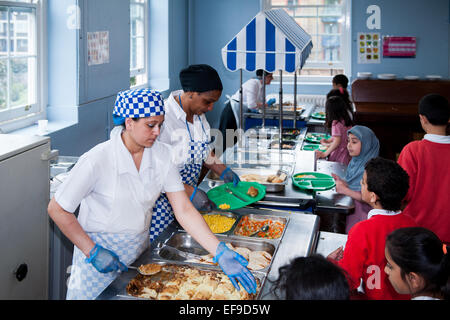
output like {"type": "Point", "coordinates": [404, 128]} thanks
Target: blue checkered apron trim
{"type": "Point", "coordinates": [162, 211]}
{"type": "Point", "coordinates": [85, 282]}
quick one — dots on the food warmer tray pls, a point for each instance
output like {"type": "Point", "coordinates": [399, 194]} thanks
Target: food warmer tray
{"type": "Point", "coordinates": [214, 180]}
{"type": "Point", "coordinates": [298, 239]}
{"type": "Point", "coordinates": [131, 273]}
{"type": "Point", "coordinates": [184, 242]}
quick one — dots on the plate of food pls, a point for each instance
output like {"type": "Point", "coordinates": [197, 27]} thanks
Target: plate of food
{"type": "Point", "coordinates": [319, 115]}
{"type": "Point", "coordinates": [229, 197]}
{"type": "Point", "coordinates": [314, 147]}
{"type": "Point", "coordinates": [313, 181]}
{"type": "Point", "coordinates": [316, 137]}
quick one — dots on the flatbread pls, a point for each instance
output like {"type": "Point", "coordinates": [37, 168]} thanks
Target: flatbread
{"type": "Point", "coordinates": [243, 252]}
{"type": "Point", "coordinates": [150, 269]}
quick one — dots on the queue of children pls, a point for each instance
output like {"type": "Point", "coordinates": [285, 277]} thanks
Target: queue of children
{"type": "Point", "coordinates": [389, 253]}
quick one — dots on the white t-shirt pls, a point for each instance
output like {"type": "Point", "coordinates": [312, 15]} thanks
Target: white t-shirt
{"type": "Point", "coordinates": [175, 132]}
{"type": "Point", "coordinates": [252, 93]}
{"type": "Point", "coordinates": [114, 196]}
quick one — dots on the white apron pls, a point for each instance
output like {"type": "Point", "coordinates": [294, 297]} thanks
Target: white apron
{"type": "Point", "coordinates": [198, 152]}
{"type": "Point", "coordinates": [85, 281]}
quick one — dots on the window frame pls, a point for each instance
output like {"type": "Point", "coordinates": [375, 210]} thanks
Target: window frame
{"type": "Point", "coordinates": [345, 64]}
{"type": "Point", "coordinates": [140, 71]}
{"type": "Point", "coordinates": [22, 116]}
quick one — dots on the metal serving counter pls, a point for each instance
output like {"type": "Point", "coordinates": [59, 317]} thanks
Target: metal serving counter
{"type": "Point", "coordinates": [299, 239]}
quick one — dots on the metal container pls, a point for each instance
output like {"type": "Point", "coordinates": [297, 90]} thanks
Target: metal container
{"type": "Point", "coordinates": [62, 164]}
{"type": "Point", "coordinates": [214, 180]}
{"type": "Point", "coordinates": [226, 214]}
{"type": "Point", "coordinates": [184, 242]}
{"type": "Point", "coordinates": [289, 143]}
{"type": "Point", "coordinates": [261, 277]}
{"type": "Point", "coordinates": [259, 217]}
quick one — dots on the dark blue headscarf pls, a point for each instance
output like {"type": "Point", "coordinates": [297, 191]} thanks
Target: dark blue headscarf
{"type": "Point", "coordinates": [370, 147]}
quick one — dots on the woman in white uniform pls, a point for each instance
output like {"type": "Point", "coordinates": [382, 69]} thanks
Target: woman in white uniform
{"type": "Point", "coordinates": [252, 94]}
{"type": "Point", "coordinates": [188, 132]}
{"type": "Point", "coordinates": [116, 185]}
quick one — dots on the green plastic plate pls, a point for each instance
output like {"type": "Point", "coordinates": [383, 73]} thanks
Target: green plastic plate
{"type": "Point", "coordinates": [219, 195]}
{"type": "Point", "coordinates": [316, 137]}
{"type": "Point", "coordinates": [317, 115]}
{"type": "Point", "coordinates": [315, 181]}
{"type": "Point", "coordinates": [313, 147]}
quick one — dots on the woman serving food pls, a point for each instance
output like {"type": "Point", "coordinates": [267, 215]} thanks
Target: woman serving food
{"type": "Point", "coordinates": [116, 184]}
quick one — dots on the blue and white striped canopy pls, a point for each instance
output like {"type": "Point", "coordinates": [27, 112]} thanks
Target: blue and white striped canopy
{"type": "Point", "coordinates": [271, 41]}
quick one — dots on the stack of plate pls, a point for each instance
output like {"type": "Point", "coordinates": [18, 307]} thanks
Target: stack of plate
{"type": "Point", "coordinates": [411, 78]}
{"type": "Point", "coordinates": [387, 76]}
{"type": "Point", "coordinates": [433, 77]}
{"type": "Point", "coordinates": [364, 75]}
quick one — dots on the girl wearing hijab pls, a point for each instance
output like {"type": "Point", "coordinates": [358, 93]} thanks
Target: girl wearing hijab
{"type": "Point", "coordinates": [362, 146]}
{"type": "Point", "coordinates": [116, 184]}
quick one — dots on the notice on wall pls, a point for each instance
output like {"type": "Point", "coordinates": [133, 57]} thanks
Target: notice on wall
{"type": "Point", "coordinates": [98, 47]}
{"type": "Point", "coordinates": [369, 47]}
{"type": "Point", "coordinates": [400, 47]}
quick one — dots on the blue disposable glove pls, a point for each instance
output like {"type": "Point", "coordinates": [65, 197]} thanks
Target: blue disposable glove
{"type": "Point", "coordinates": [201, 202]}
{"type": "Point", "coordinates": [234, 266]}
{"type": "Point", "coordinates": [105, 260]}
{"type": "Point", "coordinates": [229, 176]}
{"type": "Point", "coordinates": [271, 101]}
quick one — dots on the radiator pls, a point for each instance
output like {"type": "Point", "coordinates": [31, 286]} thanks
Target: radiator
{"type": "Point", "coordinates": [315, 99]}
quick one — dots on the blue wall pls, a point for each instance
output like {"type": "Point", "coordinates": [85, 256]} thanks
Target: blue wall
{"type": "Point", "coordinates": [184, 32]}
{"type": "Point", "coordinates": [215, 22]}
{"type": "Point", "coordinates": [426, 20]}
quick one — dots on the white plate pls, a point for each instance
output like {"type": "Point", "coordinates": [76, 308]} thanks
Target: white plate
{"type": "Point", "coordinates": [433, 77]}
{"type": "Point", "coordinates": [364, 75]}
{"type": "Point", "coordinates": [387, 76]}
{"type": "Point", "coordinates": [411, 77]}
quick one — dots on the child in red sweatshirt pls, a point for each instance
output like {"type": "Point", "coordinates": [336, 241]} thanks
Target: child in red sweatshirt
{"type": "Point", "coordinates": [428, 165]}
{"type": "Point", "coordinates": [383, 187]}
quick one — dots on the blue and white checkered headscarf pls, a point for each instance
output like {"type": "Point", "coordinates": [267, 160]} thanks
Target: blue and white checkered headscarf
{"type": "Point", "coordinates": [140, 103]}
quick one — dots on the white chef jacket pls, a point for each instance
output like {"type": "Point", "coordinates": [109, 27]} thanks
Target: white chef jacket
{"type": "Point", "coordinates": [252, 93]}
{"type": "Point", "coordinates": [175, 132]}
{"type": "Point", "coordinates": [106, 177]}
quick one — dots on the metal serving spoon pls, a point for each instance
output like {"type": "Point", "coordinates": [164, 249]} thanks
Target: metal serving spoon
{"type": "Point", "coordinates": [263, 229]}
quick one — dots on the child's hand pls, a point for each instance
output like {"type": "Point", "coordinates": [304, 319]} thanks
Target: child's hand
{"type": "Point", "coordinates": [320, 154]}
{"type": "Point", "coordinates": [341, 185]}
{"type": "Point", "coordinates": [337, 254]}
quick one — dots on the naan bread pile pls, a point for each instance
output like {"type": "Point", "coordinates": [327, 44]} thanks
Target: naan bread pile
{"type": "Point", "coordinates": [257, 260]}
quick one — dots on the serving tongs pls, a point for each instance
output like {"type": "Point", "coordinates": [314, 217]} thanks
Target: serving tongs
{"type": "Point", "coordinates": [183, 254]}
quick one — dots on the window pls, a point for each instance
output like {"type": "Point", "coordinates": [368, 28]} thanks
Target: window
{"type": "Point", "coordinates": [138, 42]}
{"type": "Point", "coordinates": [20, 60]}
{"type": "Point", "coordinates": [327, 21]}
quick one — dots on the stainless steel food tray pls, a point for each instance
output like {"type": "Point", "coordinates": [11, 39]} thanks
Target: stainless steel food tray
{"type": "Point", "coordinates": [184, 242]}
{"type": "Point", "coordinates": [261, 217]}
{"type": "Point", "coordinates": [226, 214]}
{"type": "Point", "coordinates": [124, 294]}
{"type": "Point", "coordinates": [214, 180]}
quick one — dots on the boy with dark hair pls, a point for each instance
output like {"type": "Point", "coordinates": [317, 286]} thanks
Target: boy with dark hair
{"type": "Point", "coordinates": [383, 187]}
{"type": "Point", "coordinates": [428, 164]}
{"type": "Point", "coordinates": [340, 81]}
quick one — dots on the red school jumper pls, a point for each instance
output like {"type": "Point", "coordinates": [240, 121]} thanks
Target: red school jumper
{"type": "Point", "coordinates": [428, 167]}
{"type": "Point", "coordinates": [364, 254]}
